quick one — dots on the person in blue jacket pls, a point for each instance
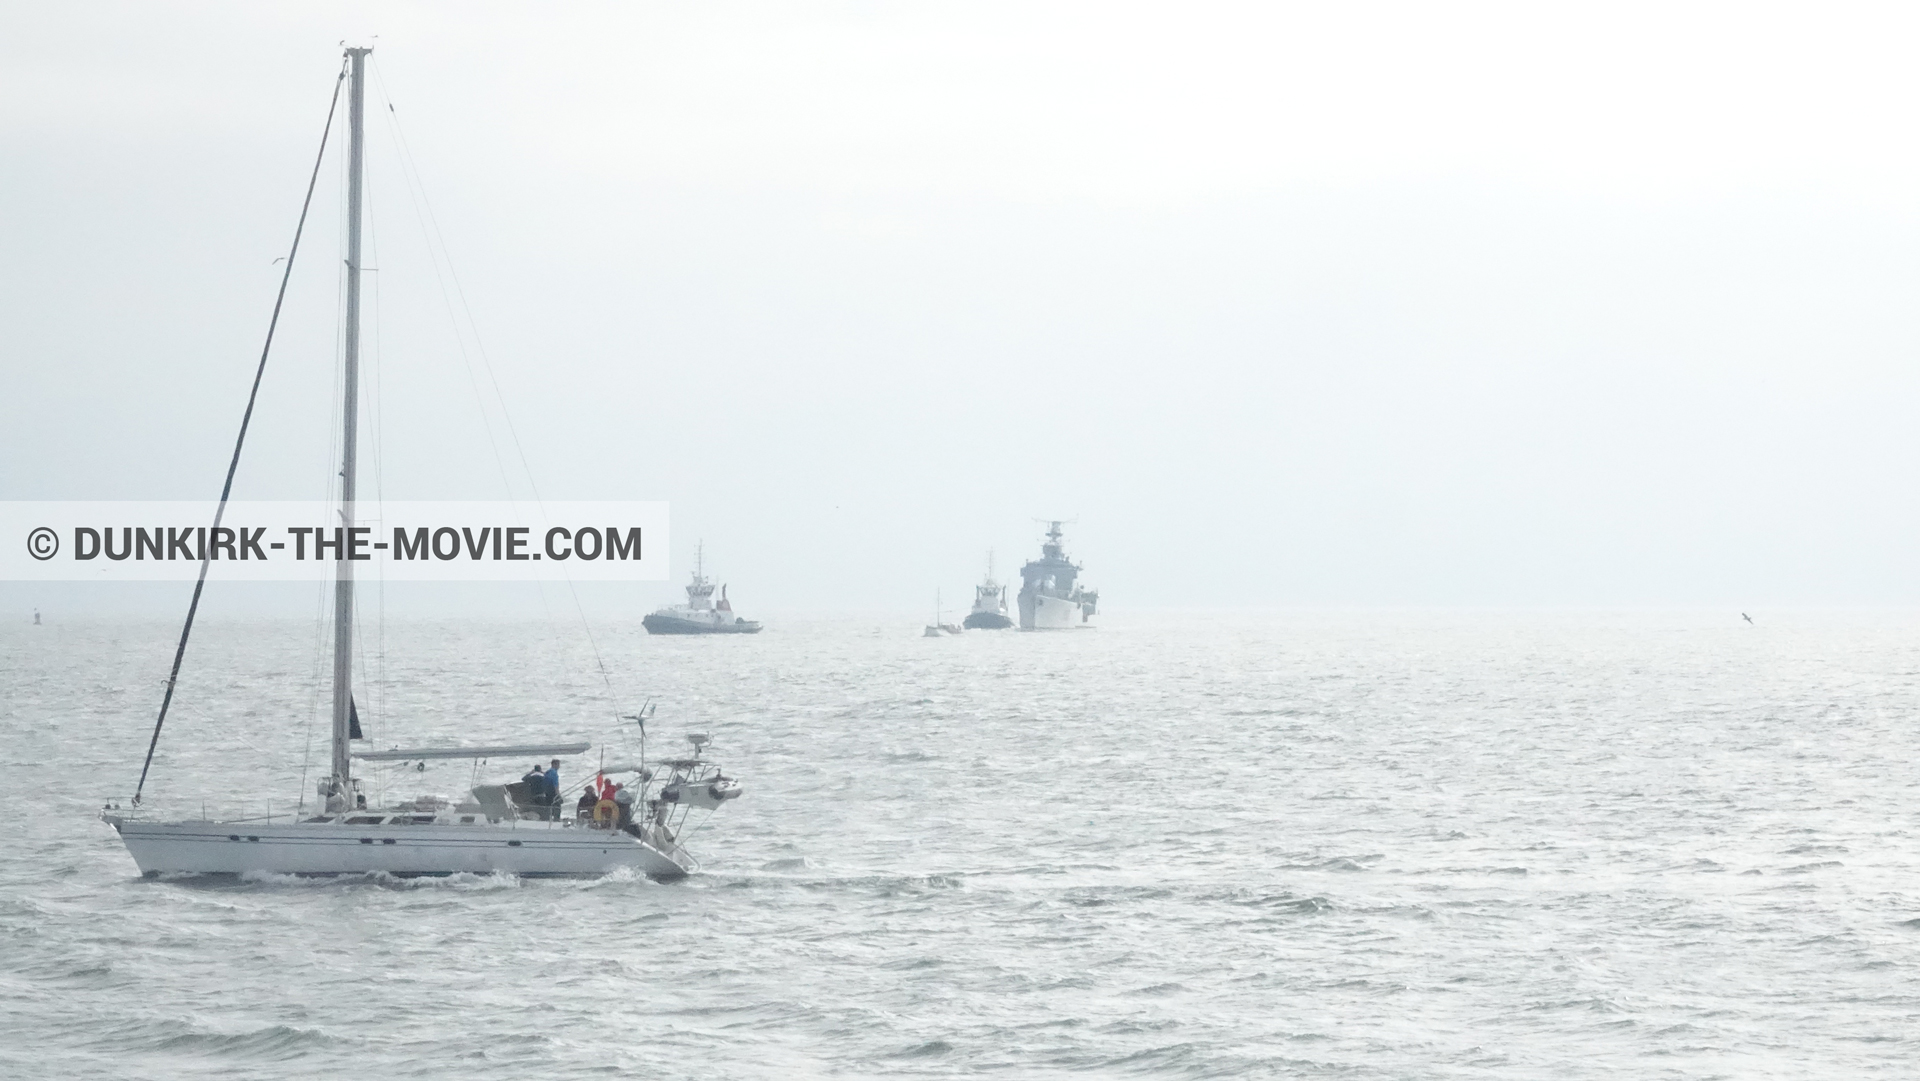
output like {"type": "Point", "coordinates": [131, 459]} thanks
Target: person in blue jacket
{"type": "Point", "coordinates": [553, 789]}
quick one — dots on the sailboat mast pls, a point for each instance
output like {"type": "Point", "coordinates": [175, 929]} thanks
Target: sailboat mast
{"type": "Point", "coordinates": [349, 439]}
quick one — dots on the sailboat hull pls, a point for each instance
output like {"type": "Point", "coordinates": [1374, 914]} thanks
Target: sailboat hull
{"type": "Point", "coordinates": [330, 848]}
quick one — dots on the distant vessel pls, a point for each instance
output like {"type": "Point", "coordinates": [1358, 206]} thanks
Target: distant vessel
{"type": "Point", "coordinates": [989, 604]}
{"type": "Point", "coordinates": [1050, 598]}
{"type": "Point", "coordinates": [700, 615]}
{"type": "Point", "coordinates": [937, 628]}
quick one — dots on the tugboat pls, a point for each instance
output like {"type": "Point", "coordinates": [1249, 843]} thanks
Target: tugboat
{"type": "Point", "coordinates": [700, 615]}
{"type": "Point", "coordinates": [989, 604]}
{"type": "Point", "coordinates": [1050, 598]}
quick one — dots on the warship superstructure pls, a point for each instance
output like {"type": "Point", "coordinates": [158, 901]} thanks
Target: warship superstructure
{"type": "Point", "coordinates": [1051, 597]}
{"type": "Point", "coordinates": [989, 604]}
{"type": "Point", "coordinates": [701, 614]}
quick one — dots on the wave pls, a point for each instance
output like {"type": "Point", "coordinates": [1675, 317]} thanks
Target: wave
{"type": "Point", "coordinates": [1335, 863]}
{"type": "Point", "coordinates": [276, 1041]}
{"type": "Point", "coordinates": [618, 878]}
{"type": "Point", "coordinates": [929, 1049]}
{"type": "Point", "coordinates": [464, 881]}
{"type": "Point", "coordinates": [1277, 900]}
{"type": "Point", "coordinates": [885, 885]}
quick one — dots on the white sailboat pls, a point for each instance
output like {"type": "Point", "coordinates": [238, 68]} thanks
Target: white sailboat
{"type": "Point", "coordinates": [496, 828]}
{"type": "Point", "coordinates": [939, 626]}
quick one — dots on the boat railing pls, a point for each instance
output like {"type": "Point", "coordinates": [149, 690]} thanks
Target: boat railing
{"type": "Point", "coordinates": [123, 808]}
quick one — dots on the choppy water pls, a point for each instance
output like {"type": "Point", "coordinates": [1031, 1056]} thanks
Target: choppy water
{"type": "Point", "coordinates": [1354, 846]}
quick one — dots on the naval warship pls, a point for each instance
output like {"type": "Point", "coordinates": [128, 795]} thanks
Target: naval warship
{"type": "Point", "coordinates": [701, 614]}
{"type": "Point", "coordinates": [1050, 597]}
{"type": "Point", "coordinates": [989, 604]}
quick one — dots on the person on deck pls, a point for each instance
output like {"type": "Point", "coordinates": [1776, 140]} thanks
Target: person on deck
{"type": "Point", "coordinates": [536, 785]}
{"type": "Point", "coordinates": [605, 812]}
{"type": "Point", "coordinates": [583, 811]}
{"type": "Point", "coordinates": [552, 783]}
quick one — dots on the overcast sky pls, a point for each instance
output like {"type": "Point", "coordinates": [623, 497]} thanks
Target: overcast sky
{"type": "Point", "coordinates": [1359, 304]}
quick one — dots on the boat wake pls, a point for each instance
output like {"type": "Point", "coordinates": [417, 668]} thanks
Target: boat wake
{"type": "Point", "coordinates": [269, 880]}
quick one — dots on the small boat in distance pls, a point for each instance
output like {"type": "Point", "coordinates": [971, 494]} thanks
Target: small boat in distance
{"type": "Point", "coordinates": [937, 627]}
{"type": "Point", "coordinates": [701, 614]}
{"type": "Point", "coordinates": [989, 604]}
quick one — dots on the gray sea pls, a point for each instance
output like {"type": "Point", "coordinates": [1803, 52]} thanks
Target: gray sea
{"type": "Point", "coordinates": [1344, 845]}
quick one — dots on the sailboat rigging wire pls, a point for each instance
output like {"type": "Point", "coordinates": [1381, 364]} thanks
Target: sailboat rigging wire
{"type": "Point", "coordinates": [332, 481]}
{"type": "Point", "coordinates": [430, 228]}
{"type": "Point", "coordinates": [430, 232]}
{"type": "Point", "coordinates": [313, 692]}
{"type": "Point", "coordinates": [378, 403]}
{"type": "Point", "coordinates": [226, 490]}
